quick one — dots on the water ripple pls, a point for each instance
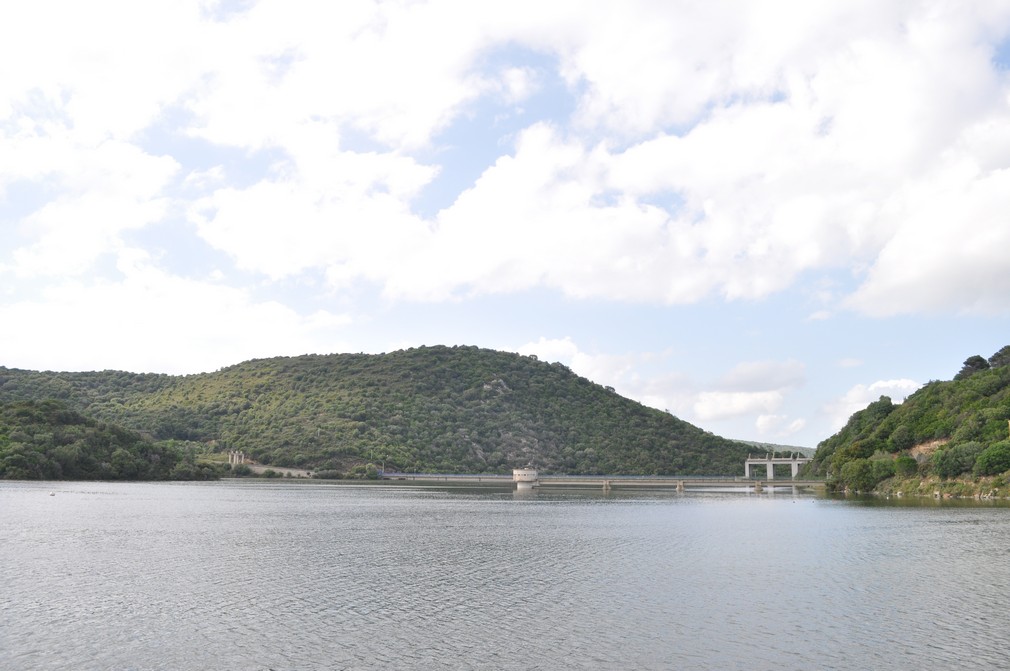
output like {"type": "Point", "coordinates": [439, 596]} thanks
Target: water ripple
{"type": "Point", "coordinates": [286, 576]}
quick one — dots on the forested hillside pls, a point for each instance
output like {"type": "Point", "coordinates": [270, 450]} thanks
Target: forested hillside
{"type": "Point", "coordinates": [950, 429]}
{"type": "Point", "coordinates": [45, 440]}
{"type": "Point", "coordinates": [436, 409]}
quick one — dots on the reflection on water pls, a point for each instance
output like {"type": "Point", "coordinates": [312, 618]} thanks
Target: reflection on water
{"type": "Point", "coordinates": [252, 575]}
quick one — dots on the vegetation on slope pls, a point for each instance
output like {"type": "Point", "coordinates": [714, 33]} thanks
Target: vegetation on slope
{"type": "Point", "coordinates": [951, 429]}
{"type": "Point", "coordinates": [428, 409]}
{"type": "Point", "coordinates": [45, 440]}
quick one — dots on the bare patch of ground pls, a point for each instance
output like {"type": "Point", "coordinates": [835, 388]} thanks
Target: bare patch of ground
{"type": "Point", "coordinates": [924, 451]}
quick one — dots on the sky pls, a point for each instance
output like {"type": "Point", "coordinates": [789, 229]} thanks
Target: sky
{"type": "Point", "coordinates": [758, 216]}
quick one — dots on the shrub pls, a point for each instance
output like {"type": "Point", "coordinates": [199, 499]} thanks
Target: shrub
{"type": "Point", "coordinates": [902, 438]}
{"type": "Point", "coordinates": [994, 459]}
{"type": "Point", "coordinates": [905, 466]}
{"type": "Point", "coordinates": [858, 475]}
{"type": "Point", "coordinates": [956, 460]}
{"type": "Point", "coordinates": [881, 469]}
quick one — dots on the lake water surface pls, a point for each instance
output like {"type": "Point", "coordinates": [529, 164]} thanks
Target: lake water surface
{"type": "Point", "coordinates": [265, 575]}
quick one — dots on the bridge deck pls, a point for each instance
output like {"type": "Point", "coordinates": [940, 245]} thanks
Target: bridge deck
{"type": "Point", "coordinates": [614, 482]}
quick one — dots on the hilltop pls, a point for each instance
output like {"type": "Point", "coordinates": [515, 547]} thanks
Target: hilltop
{"type": "Point", "coordinates": [434, 409]}
{"type": "Point", "coordinates": [949, 436]}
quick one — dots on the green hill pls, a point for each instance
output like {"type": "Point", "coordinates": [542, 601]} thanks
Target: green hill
{"type": "Point", "coordinates": [434, 409]}
{"type": "Point", "coordinates": [45, 440]}
{"type": "Point", "coordinates": [946, 429]}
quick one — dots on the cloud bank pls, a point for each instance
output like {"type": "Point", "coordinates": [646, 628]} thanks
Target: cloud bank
{"type": "Point", "coordinates": [305, 166]}
{"type": "Point", "coordinates": [721, 152]}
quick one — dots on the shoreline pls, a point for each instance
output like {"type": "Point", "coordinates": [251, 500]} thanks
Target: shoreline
{"type": "Point", "coordinates": [983, 488]}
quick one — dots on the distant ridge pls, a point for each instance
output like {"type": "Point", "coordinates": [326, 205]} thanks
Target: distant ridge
{"type": "Point", "coordinates": [774, 447]}
{"type": "Point", "coordinates": [425, 409]}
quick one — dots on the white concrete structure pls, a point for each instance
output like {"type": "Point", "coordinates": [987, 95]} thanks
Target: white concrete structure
{"type": "Point", "coordinates": [235, 458]}
{"type": "Point", "coordinates": [769, 462]}
{"type": "Point", "coordinates": [525, 477]}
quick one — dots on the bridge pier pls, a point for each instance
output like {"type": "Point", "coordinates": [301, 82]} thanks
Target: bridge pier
{"type": "Point", "coordinates": [770, 461]}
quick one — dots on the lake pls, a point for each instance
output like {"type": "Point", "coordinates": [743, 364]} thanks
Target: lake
{"type": "Point", "coordinates": [302, 575]}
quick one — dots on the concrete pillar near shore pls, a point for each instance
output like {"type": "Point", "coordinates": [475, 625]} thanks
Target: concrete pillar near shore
{"type": "Point", "coordinates": [770, 467]}
{"type": "Point", "coordinates": [680, 486]}
{"type": "Point", "coordinates": [796, 469]}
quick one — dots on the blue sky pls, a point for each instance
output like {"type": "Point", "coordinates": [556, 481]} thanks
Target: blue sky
{"type": "Point", "coordinates": [757, 220]}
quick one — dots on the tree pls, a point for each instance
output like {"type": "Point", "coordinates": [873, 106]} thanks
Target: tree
{"type": "Point", "coordinates": [902, 438]}
{"type": "Point", "coordinates": [954, 461]}
{"type": "Point", "coordinates": [972, 365]}
{"type": "Point", "coordinates": [1000, 358]}
{"type": "Point", "coordinates": [905, 466]}
{"type": "Point", "coordinates": [858, 475]}
{"type": "Point", "coordinates": [994, 459]}
{"type": "Point", "coordinates": [125, 464]}
{"type": "Point", "coordinates": [881, 469]}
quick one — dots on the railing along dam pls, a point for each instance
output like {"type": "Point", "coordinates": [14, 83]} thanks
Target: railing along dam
{"type": "Point", "coordinates": [677, 483]}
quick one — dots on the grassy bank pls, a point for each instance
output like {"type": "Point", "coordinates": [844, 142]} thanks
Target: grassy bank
{"type": "Point", "coordinates": [990, 487]}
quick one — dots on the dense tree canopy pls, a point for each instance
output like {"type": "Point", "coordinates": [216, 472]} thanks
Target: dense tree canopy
{"type": "Point", "coordinates": [45, 440]}
{"type": "Point", "coordinates": [961, 426]}
{"type": "Point", "coordinates": [1000, 358]}
{"type": "Point", "coordinates": [972, 365]}
{"type": "Point", "coordinates": [434, 409]}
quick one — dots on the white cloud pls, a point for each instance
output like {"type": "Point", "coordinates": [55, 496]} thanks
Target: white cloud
{"type": "Point", "coordinates": [101, 192]}
{"type": "Point", "coordinates": [948, 251]}
{"type": "Point", "coordinates": [152, 321]}
{"type": "Point", "coordinates": [750, 389]}
{"type": "Point", "coordinates": [105, 69]}
{"type": "Point", "coordinates": [778, 426]}
{"type": "Point", "coordinates": [643, 376]}
{"type": "Point", "coordinates": [517, 84]}
{"type": "Point", "coordinates": [344, 214]}
{"type": "Point", "coordinates": [715, 405]}
{"type": "Point", "coordinates": [396, 72]}
{"type": "Point", "coordinates": [861, 395]}
{"type": "Point", "coordinates": [619, 370]}
{"type": "Point", "coordinates": [832, 136]}
{"type": "Point", "coordinates": [551, 349]}
{"type": "Point", "coordinates": [714, 151]}
{"type": "Point", "coordinates": [762, 375]}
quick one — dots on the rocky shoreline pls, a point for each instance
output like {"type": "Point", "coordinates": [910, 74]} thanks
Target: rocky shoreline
{"type": "Point", "coordinates": [980, 488]}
